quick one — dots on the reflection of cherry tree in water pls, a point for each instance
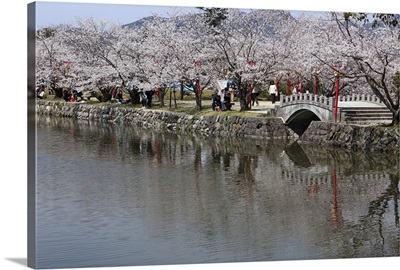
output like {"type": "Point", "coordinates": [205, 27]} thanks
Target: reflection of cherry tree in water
{"type": "Point", "coordinates": [197, 157]}
{"type": "Point", "coordinates": [370, 237]}
{"type": "Point", "coordinates": [156, 150]}
{"type": "Point", "coordinates": [335, 213]}
{"type": "Point", "coordinates": [375, 220]}
{"type": "Point", "coordinates": [223, 154]}
{"type": "Point", "coordinates": [378, 207]}
{"type": "Point", "coordinates": [375, 234]}
{"type": "Point", "coordinates": [247, 167]}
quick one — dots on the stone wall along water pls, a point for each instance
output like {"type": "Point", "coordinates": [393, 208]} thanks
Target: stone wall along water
{"type": "Point", "coordinates": [371, 138]}
{"type": "Point", "coordinates": [257, 127]}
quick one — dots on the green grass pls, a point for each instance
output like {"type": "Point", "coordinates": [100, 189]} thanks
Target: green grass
{"type": "Point", "coordinates": [206, 110]}
{"type": "Point", "coordinates": [182, 107]}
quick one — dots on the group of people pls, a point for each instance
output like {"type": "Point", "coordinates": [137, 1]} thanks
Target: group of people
{"type": "Point", "coordinates": [117, 97]}
{"type": "Point", "coordinates": [255, 92]}
{"type": "Point", "coordinates": [73, 95]}
{"type": "Point", "coordinates": [120, 99]}
{"type": "Point", "coordinates": [221, 101]}
{"type": "Point", "coordinates": [40, 93]}
{"type": "Point", "coordinates": [146, 97]}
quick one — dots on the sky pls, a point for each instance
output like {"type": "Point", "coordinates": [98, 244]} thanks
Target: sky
{"type": "Point", "coordinates": [53, 13]}
{"type": "Point", "coordinates": [50, 13]}
{"type": "Point", "coordinates": [13, 109]}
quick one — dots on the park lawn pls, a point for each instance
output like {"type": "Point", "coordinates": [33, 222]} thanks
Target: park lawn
{"type": "Point", "coordinates": [187, 106]}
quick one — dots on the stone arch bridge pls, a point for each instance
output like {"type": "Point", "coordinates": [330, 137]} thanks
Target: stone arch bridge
{"type": "Point", "coordinates": [299, 110]}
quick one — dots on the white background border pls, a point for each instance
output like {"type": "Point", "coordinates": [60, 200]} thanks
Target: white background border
{"type": "Point", "coordinates": [13, 188]}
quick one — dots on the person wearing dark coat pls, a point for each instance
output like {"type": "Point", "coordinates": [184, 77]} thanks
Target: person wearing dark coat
{"type": "Point", "coordinates": [149, 94]}
{"type": "Point", "coordinates": [216, 102]}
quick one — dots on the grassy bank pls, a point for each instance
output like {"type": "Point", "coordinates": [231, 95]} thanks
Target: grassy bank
{"type": "Point", "coordinates": [187, 106]}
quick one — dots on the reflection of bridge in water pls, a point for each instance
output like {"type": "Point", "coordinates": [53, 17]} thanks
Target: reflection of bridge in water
{"type": "Point", "coordinates": [306, 165]}
{"type": "Point", "coordinates": [324, 175]}
{"type": "Point", "coordinates": [350, 196]}
{"type": "Point", "coordinates": [300, 109]}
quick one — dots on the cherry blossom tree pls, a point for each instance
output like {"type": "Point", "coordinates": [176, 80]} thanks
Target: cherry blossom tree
{"type": "Point", "coordinates": [254, 46]}
{"type": "Point", "coordinates": [368, 56]}
{"type": "Point", "coordinates": [315, 61]}
{"type": "Point", "coordinates": [375, 52]}
{"type": "Point", "coordinates": [250, 47]}
{"type": "Point", "coordinates": [54, 68]}
{"type": "Point", "coordinates": [113, 54]}
{"type": "Point", "coordinates": [178, 51]}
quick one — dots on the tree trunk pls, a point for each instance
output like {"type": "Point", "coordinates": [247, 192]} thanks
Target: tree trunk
{"type": "Point", "coordinates": [161, 96]}
{"type": "Point", "coordinates": [134, 95]}
{"type": "Point", "coordinates": [58, 92]}
{"type": "Point", "coordinates": [170, 98]}
{"type": "Point", "coordinates": [244, 98]}
{"type": "Point", "coordinates": [176, 106]}
{"type": "Point", "coordinates": [396, 117]}
{"type": "Point", "coordinates": [242, 92]}
{"type": "Point", "coordinates": [182, 92]}
{"type": "Point", "coordinates": [106, 93]}
{"type": "Point", "coordinates": [197, 94]}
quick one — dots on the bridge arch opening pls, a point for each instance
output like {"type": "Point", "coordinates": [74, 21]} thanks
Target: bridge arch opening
{"type": "Point", "coordinates": [300, 120]}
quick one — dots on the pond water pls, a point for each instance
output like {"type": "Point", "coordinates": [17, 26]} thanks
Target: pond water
{"type": "Point", "coordinates": [113, 195]}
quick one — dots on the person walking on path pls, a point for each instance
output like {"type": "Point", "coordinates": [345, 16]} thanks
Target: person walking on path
{"type": "Point", "coordinates": [254, 93]}
{"type": "Point", "coordinates": [272, 91]}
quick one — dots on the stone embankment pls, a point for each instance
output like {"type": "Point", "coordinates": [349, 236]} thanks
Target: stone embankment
{"type": "Point", "coordinates": [255, 127]}
{"type": "Point", "coordinates": [370, 138]}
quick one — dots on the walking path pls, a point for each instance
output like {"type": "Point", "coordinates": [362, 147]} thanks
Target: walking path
{"type": "Point", "coordinates": [263, 107]}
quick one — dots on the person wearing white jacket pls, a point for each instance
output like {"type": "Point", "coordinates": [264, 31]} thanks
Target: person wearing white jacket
{"type": "Point", "coordinates": [272, 91]}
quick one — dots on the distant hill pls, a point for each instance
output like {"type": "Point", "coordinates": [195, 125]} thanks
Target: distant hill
{"type": "Point", "coordinates": [141, 22]}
